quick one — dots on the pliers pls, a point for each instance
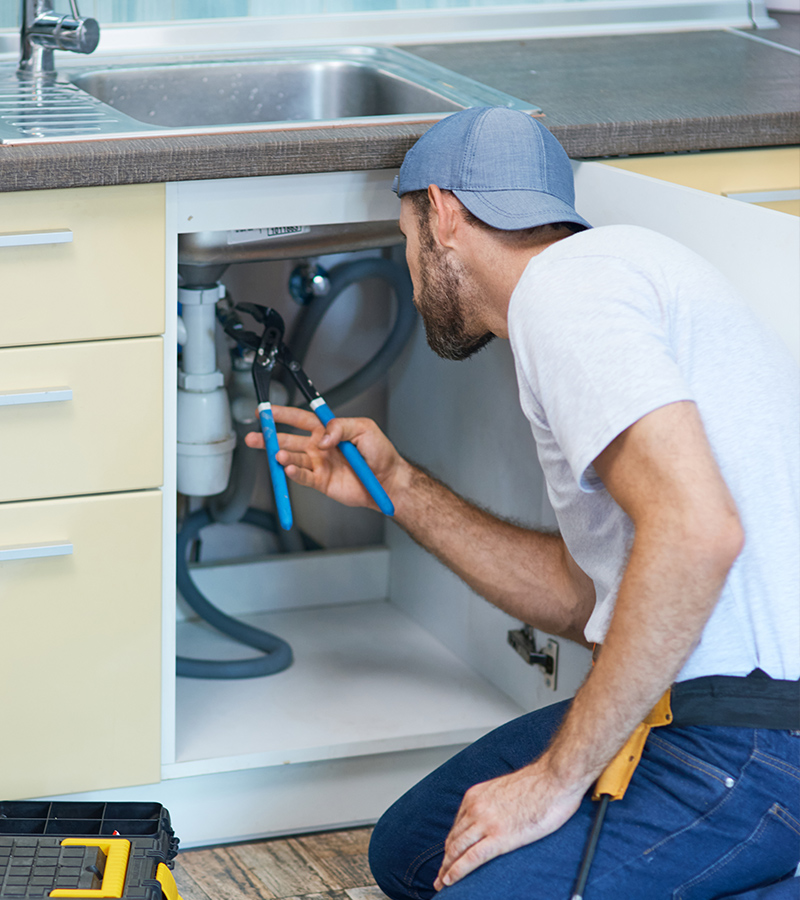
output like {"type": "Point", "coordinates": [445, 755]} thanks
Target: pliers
{"type": "Point", "coordinates": [270, 350]}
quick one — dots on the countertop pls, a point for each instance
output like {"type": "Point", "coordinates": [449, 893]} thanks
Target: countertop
{"type": "Point", "coordinates": [601, 96]}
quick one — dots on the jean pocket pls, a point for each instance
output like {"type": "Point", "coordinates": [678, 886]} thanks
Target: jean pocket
{"type": "Point", "coordinates": [678, 759]}
{"type": "Point", "coordinates": [767, 854]}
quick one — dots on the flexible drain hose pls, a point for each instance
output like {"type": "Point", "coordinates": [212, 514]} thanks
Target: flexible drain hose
{"type": "Point", "coordinates": [277, 654]}
{"type": "Point", "coordinates": [342, 277]}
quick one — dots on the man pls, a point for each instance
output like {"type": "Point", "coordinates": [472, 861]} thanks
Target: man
{"type": "Point", "coordinates": [666, 421]}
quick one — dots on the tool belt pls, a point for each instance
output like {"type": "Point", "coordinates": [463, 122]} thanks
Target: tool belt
{"type": "Point", "coordinates": [755, 701]}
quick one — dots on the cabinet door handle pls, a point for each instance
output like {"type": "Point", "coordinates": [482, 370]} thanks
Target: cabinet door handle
{"type": "Point", "coordinates": [40, 395]}
{"type": "Point", "coordinates": [35, 551]}
{"type": "Point", "coordinates": [30, 238]}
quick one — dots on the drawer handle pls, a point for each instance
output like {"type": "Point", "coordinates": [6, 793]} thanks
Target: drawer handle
{"type": "Point", "coordinates": [41, 395]}
{"type": "Point", "coordinates": [35, 551]}
{"type": "Point", "coordinates": [31, 238]}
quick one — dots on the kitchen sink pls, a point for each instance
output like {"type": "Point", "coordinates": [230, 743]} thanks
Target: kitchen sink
{"type": "Point", "coordinates": [305, 87]}
{"type": "Point", "coordinates": [265, 90]}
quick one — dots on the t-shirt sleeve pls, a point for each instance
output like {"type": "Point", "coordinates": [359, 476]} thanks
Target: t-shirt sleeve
{"type": "Point", "coordinates": [594, 342]}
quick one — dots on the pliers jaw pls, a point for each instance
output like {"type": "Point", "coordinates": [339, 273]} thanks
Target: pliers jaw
{"type": "Point", "coordinates": [268, 345]}
{"type": "Point", "coordinates": [267, 357]}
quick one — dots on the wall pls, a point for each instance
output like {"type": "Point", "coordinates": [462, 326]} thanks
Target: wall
{"type": "Point", "coordinates": [315, 22]}
{"type": "Point", "coordinates": [107, 11]}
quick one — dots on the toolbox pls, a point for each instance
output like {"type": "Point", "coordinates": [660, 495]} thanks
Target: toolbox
{"type": "Point", "coordinates": [86, 850]}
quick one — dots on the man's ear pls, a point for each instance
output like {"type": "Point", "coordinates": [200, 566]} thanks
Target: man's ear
{"type": "Point", "coordinates": [446, 216]}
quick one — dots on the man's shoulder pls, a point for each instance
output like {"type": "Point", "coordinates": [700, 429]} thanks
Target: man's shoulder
{"type": "Point", "coordinates": [595, 258]}
{"type": "Point", "coordinates": [612, 254]}
{"type": "Point", "coordinates": [616, 241]}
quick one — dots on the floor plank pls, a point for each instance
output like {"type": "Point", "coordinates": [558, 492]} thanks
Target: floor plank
{"type": "Point", "coordinates": [218, 874]}
{"type": "Point", "coordinates": [326, 866]}
{"type": "Point", "coordinates": [338, 857]}
{"type": "Point", "coordinates": [280, 867]}
{"type": "Point", "coordinates": [366, 893]}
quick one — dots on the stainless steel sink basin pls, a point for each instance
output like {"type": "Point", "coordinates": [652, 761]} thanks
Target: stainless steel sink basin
{"type": "Point", "coordinates": [306, 87]}
{"type": "Point", "coordinates": [266, 90]}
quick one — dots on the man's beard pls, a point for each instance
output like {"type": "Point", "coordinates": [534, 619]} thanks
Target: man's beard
{"type": "Point", "coordinates": [440, 303]}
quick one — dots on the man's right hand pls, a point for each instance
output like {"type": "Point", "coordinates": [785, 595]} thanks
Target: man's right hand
{"type": "Point", "coordinates": [312, 459]}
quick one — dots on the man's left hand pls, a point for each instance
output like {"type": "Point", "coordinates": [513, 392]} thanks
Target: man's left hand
{"type": "Point", "coordinates": [503, 814]}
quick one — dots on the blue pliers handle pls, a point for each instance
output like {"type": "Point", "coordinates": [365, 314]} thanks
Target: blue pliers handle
{"type": "Point", "coordinates": [279, 486]}
{"type": "Point", "coordinates": [356, 461]}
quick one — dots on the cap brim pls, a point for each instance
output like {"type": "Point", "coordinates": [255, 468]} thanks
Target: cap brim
{"type": "Point", "coordinates": [513, 210]}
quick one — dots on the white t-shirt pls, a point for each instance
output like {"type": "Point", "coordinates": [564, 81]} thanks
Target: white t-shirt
{"type": "Point", "coordinates": [615, 322]}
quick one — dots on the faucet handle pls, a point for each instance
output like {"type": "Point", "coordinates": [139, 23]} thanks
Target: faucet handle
{"type": "Point", "coordinates": [77, 34]}
{"type": "Point", "coordinates": [62, 32]}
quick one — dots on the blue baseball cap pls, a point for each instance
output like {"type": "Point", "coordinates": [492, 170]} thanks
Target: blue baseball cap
{"type": "Point", "coordinates": [507, 169]}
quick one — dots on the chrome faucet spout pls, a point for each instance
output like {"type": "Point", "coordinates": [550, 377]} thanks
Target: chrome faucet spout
{"type": "Point", "coordinates": [44, 30]}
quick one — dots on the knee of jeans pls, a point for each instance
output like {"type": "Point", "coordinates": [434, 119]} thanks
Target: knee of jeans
{"type": "Point", "coordinates": [386, 860]}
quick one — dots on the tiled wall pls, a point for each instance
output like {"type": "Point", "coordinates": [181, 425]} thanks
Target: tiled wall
{"type": "Point", "coordinates": [106, 11]}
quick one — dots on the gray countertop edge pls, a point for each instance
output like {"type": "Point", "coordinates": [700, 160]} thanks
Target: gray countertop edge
{"type": "Point", "coordinates": [190, 158]}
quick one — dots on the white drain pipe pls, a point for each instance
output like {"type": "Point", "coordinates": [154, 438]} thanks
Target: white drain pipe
{"type": "Point", "coordinates": [205, 435]}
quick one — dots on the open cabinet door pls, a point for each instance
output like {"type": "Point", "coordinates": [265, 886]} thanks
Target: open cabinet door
{"type": "Point", "coordinates": [757, 249]}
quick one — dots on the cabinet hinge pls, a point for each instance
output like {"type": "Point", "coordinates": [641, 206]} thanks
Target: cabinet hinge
{"type": "Point", "coordinates": [523, 640]}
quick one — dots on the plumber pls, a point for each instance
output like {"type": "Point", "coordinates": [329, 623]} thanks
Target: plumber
{"type": "Point", "coordinates": [666, 420]}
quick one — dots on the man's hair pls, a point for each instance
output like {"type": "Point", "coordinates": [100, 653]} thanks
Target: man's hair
{"type": "Point", "coordinates": [512, 239]}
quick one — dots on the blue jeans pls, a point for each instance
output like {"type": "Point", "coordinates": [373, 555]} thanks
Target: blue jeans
{"type": "Point", "coordinates": [710, 813]}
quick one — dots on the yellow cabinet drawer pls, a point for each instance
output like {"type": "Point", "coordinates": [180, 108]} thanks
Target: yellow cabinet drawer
{"type": "Point", "coordinates": [101, 432]}
{"type": "Point", "coordinates": [765, 176]}
{"type": "Point", "coordinates": [80, 644]}
{"type": "Point", "coordinates": [82, 264]}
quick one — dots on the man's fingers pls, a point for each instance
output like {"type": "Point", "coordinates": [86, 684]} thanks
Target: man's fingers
{"type": "Point", "coordinates": [294, 443]}
{"type": "Point", "coordinates": [303, 419]}
{"type": "Point", "coordinates": [455, 866]}
{"type": "Point", "coordinates": [290, 442]}
{"type": "Point", "coordinates": [457, 844]}
{"type": "Point", "coordinates": [301, 475]}
{"type": "Point", "coordinates": [337, 430]}
{"type": "Point", "coordinates": [298, 459]}
{"type": "Point", "coordinates": [461, 847]}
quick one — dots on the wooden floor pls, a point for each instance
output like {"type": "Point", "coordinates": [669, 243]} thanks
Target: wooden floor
{"type": "Point", "coordinates": [328, 866]}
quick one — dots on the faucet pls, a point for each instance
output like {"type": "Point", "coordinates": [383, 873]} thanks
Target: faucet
{"type": "Point", "coordinates": [44, 30]}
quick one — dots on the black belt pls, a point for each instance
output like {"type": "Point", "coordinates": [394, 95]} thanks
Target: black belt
{"type": "Point", "coordinates": [756, 701]}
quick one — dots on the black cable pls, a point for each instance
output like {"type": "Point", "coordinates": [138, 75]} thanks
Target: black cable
{"type": "Point", "coordinates": [277, 654]}
{"type": "Point", "coordinates": [591, 846]}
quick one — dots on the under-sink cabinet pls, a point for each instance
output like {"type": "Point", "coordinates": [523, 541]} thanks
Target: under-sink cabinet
{"type": "Point", "coordinates": [397, 664]}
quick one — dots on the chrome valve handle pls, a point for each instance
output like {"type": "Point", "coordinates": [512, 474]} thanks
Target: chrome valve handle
{"type": "Point", "coordinates": [44, 31]}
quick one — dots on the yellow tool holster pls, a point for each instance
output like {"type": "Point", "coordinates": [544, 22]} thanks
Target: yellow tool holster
{"type": "Point", "coordinates": [617, 774]}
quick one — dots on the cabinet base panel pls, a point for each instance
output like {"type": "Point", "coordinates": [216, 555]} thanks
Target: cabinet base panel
{"type": "Point", "coordinates": [227, 807]}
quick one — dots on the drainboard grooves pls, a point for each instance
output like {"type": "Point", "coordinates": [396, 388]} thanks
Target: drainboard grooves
{"type": "Point", "coordinates": [28, 109]}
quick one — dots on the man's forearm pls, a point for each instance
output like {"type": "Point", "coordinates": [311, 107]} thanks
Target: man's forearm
{"type": "Point", "coordinates": [526, 573]}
